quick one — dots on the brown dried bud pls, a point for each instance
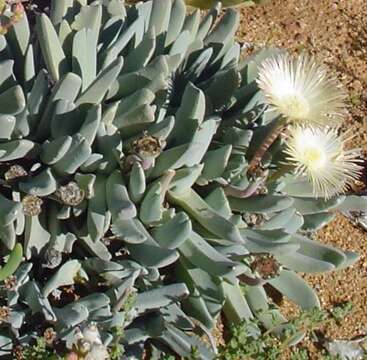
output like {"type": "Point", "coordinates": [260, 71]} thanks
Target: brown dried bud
{"type": "Point", "coordinates": [254, 219]}
{"type": "Point", "coordinates": [70, 194]}
{"type": "Point", "coordinates": [15, 172]}
{"type": "Point", "coordinates": [32, 205]}
{"type": "Point", "coordinates": [266, 266]}
{"type": "Point", "coordinates": [147, 146]}
{"type": "Point", "coordinates": [49, 335]}
{"type": "Point", "coordinates": [18, 352]}
{"type": "Point", "coordinates": [10, 282]}
{"type": "Point", "coordinates": [4, 314]}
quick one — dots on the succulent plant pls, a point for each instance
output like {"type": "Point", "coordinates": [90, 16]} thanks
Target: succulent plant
{"type": "Point", "coordinates": [126, 199]}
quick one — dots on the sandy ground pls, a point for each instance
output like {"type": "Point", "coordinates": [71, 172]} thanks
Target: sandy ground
{"type": "Point", "coordinates": [335, 31]}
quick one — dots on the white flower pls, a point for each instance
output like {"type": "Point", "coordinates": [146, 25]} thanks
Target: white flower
{"type": "Point", "coordinates": [301, 90]}
{"type": "Point", "coordinates": [98, 352]}
{"type": "Point", "coordinates": [319, 154]}
{"type": "Point", "coordinates": [91, 334]}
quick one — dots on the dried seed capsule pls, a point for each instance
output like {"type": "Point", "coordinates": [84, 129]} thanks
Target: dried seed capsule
{"type": "Point", "coordinates": [4, 314]}
{"type": "Point", "coordinates": [32, 205]}
{"type": "Point", "coordinates": [49, 335]}
{"type": "Point", "coordinates": [252, 219]}
{"type": "Point", "coordinates": [70, 194]}
{"type": "Point", "coordinates": [266, 266]}
{"type": "Point", "coordinates": [15, 172]}
{"type": "Point", "coordinates": [147, 146]}
{"type": "Point", "coordinates": [10, 283]}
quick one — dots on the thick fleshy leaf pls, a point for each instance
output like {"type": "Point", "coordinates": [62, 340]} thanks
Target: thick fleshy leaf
{"type": "Point", "coordinates": [174, 232]}
{"type": "Point", "coordinates": [296, 289]}
{"type": "Point", "coordinates": [319, 253]}
{"type": "Point", "coordinates": [65, 275]}
{"type": "Point", "coordinates": [160, 297]}
{"type": "Point", "coordinates": [36, 236]}
{"type": "Point", "coordinates": [308, 206]}
{"type": "Point", "coordinates": [235, 307]}
{"type": "Point", "coordinates": [52, 51]}
{"type": "Point", "coordinates": [118, 200]}
{"type": "Point", "coordinates": [188, 154]}
{"type": "Point", "coordinates": [53, 151]}
{"type": "Point", "coordinates": [16, 149]}
{"type": "Point", "coordinates": [75, 156]}
{"type": "Point", "coordinates": [12, 263]}
{"type": "Point", "coordinates": [204, 256]}
{"type": "Point", "coordinates": [261, 203]}
{"type": "Point", "coordinates": [206, 216]}
{"type": "Point", "coordinates": [42, 184]}
{"type": "Point", "coordinates": [38, 303]}
{"type": "Point", "coordinates": [9, 210]}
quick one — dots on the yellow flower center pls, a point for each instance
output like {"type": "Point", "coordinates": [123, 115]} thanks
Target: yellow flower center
{"type": "Point", "coordinates": [295, 106]}
{"type": "Point", "coordinates": [314, 158]}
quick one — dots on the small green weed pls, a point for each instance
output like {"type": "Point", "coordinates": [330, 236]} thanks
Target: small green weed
{"type": "Point", "coordinates": [247, 342]}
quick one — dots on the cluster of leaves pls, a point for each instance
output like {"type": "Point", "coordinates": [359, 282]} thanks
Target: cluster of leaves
{"type": "Point", "coordinates": [125, 197]}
